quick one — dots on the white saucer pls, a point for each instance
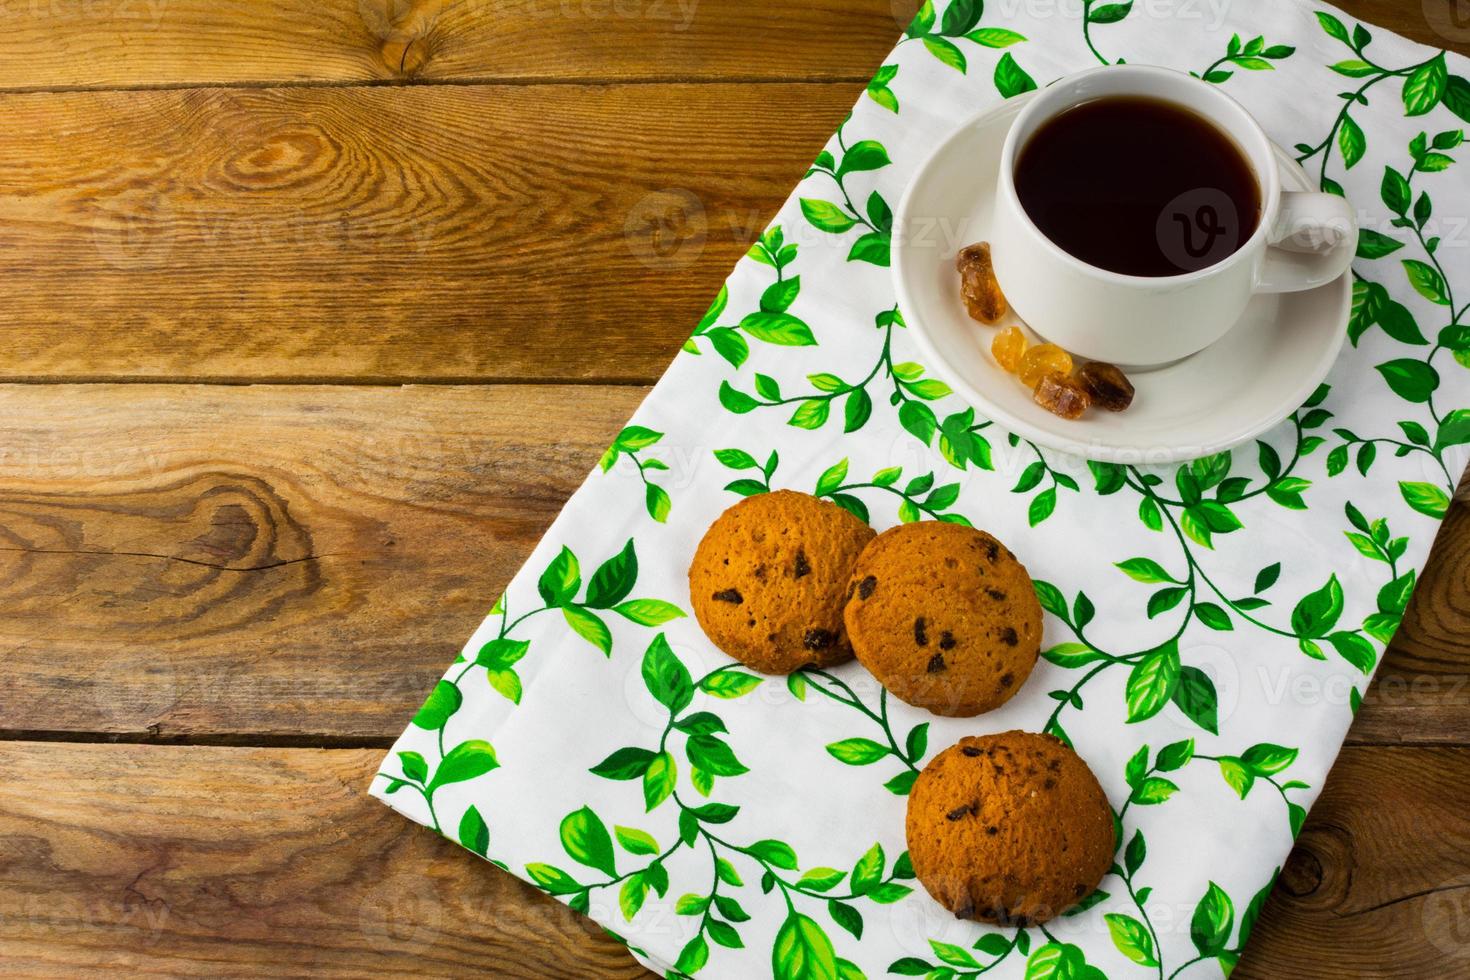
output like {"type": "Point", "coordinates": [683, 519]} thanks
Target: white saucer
{"type": "Point", "coordinates": [1246, 383]}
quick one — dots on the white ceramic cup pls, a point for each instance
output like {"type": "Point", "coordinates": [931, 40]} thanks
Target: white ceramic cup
{"type": "Point", "coordinates": [1302, 240]}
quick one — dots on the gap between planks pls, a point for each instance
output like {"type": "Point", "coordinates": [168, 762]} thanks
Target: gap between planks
{"type": "Point", "coordinates": [227, 740]}
{"type": "Point", "coordinates": [486, 81]}
{"type": "Point", "coordinates": [270, 740]}
{"type": "Point", "coordinates": [336, 381]}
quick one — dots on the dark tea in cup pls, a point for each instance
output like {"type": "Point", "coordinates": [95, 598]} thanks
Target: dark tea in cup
{"type": "Point", "coordinates": [1139, 187]}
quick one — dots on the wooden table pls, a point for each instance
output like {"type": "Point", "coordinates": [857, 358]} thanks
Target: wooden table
{"type": "Point", "coordinates": [315, 313]}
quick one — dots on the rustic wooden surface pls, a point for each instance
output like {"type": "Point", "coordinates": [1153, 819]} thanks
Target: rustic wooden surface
{"type": "Point", "coordinates": [316, 210]}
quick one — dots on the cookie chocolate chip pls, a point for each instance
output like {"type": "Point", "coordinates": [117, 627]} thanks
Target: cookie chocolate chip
{"type": "Point", "coordinates": [819, 639]}
{"type": "Point", "coordinates": [770, 577]}
{"type": "Point", "coordinates": [1002, 846]}
{"type": "Point", "coordinates": [951, 587]}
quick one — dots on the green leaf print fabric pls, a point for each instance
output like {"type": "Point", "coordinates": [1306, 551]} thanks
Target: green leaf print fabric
{"type": "Point", "coordinates": [1210, 627]}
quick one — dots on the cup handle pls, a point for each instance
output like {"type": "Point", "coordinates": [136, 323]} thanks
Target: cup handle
{"type": "Point", "coordinates": [1313, 242]}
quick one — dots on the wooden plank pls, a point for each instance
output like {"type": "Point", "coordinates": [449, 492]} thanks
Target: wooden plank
{"type": "Point", "coordinates": [444, 233]}
{"type": "Point", "coordinates": [1437, 23]}
{"type": "Point", "coordinates": [280, 561]}
{"type": "Point", "coordinates": [148, 860]}
{"type": "Point", "coordinates": [148, 43]}
{"type": "Point", "coordinates": [368, 234]}
{"type": "Point", "coordinates": [302, 562]}
{"type": "Point", "coordinates": [1379, 882]}
{"type": "Point", "coordinates": [1421, 694]}
{"type": "Point", "coordinates": [272, 862]}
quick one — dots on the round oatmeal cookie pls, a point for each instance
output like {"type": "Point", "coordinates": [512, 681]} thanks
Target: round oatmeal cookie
{"type": "Point", "coordinates": [1011, 829]}
{"type": "Point", "coordinates": [768, 581]}
{"type": "Point", "coordinates": [945, 617]}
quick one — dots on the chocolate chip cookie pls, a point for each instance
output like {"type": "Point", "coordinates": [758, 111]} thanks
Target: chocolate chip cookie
{"type": "Point", "coordinates": [768, 581]}
{"type": "Point", "coordinates": [1011, 829]}
{"type": "Point", "coordinates": [945, 617]}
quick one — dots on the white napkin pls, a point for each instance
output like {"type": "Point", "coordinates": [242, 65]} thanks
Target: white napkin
{"type": "Point", "coordinates": [591, 740]}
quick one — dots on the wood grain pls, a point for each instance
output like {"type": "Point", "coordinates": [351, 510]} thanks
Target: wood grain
{"type": "Point", "coordinates": [1421, 694]}
{"type": "Point", "coordinates": [148, 43]}
{"type": "Point", "coordinates": [302, 562]}
{"type": "Point", "coordinates": [148, 860]}
{"type": "Point", "coordinates": [277, 561]}
{"type": "Point", "coordinates": [273, 862]}
{"type": "Point", "coordinates": [1379, 882]}
{"type": "Point", "coordinates": [372, 234]}
{"type": "Point", "coordinates": [152, 43]}
{"type": "Point", "coordinates": [448, 233]}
